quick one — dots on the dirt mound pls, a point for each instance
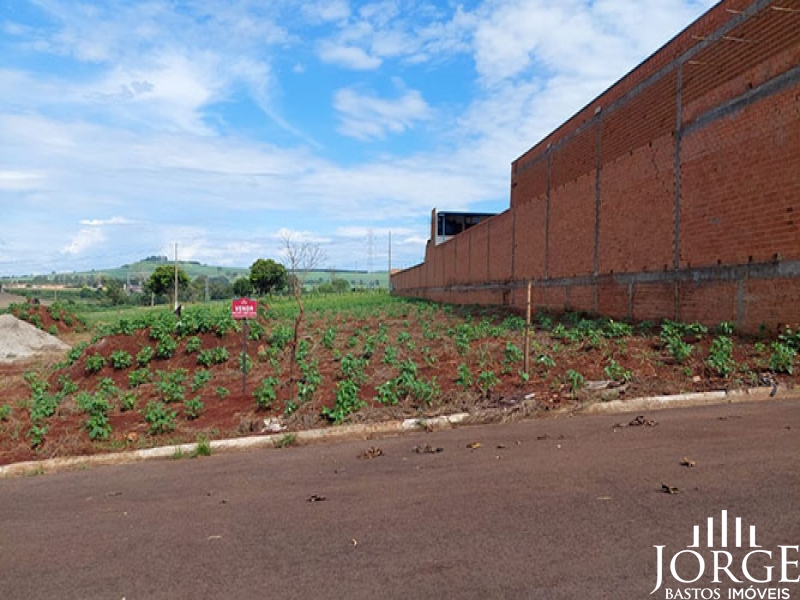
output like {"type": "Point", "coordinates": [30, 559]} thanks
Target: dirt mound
{"type": "Point", "coordinates": [53, 319]}
{"type": "Point", "coordinates": [21, 340]}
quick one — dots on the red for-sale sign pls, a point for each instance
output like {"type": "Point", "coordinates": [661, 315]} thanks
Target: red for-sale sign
{"type": "Point", "coordinates": [244, 308]}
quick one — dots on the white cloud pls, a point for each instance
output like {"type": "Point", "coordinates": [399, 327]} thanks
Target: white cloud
{"type": "Point", "coordinates": [350, 57]}
{"type": "Point", "coordinates": [86, 238]}
{"type": "Point", "coordinates": [366, 117]}
{"type": "Point", "coordinates": [105, 222]}
{"type": "Point", "coordinates": [20, 180]}
{"type": "Point", "coordinates": [325, 11]}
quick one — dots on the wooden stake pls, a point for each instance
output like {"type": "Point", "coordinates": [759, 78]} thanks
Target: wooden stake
{"type": "Point", "coordinates": [528, 331]}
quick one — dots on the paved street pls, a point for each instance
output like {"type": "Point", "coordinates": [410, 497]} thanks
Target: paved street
{"type": "Point", "coordinates": [563, 508]}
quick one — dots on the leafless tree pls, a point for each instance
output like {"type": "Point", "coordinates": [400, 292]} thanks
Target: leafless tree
{"type": "Point", "coordinates": [302, 256]}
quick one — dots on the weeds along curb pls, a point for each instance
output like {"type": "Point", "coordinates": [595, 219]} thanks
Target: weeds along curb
{"type": "Point", "coordinates": [274, 440]}
{"type": "Point", "coordinates": [759, 394]}
{"type": "Point", "coordinates": [53, 465]}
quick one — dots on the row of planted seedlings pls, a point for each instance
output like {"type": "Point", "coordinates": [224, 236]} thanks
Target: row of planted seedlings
{"type": "Point", "coordinates": [382, 351]}
{"type": "Point", "coordinates": [139, 365]}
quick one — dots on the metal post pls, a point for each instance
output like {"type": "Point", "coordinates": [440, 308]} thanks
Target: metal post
{"type": "Point", "coordinates": [244, 358]}
{"type": "Point", "coordinates": [528, 331]}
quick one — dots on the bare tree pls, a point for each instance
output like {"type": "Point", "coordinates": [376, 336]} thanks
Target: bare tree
{"type": "Point", "coordinates": [302, 256]}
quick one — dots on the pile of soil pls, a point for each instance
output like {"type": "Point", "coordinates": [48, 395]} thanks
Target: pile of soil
{"type": "Point", "coordinates": [19, 340]}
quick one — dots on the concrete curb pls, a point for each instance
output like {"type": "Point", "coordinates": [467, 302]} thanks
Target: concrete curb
{"type": "Point", "coordinates": [686, 400]}
{"type": "Point", "coordinates": [52, 465]}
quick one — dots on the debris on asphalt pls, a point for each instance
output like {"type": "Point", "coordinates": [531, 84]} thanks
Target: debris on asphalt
{"type": "Point", "coordinates": [688, 463]}
{"type": "Point", "coordinates": [114, 494]}
{"type": "Point", "coordinates": [371, 452]}
{"type": "Point", "coordinates": [316, 498]}
{"type": "Point", "coordinates": [501, 446]}
{"type": "Point", "coordinates": [670, 489]}
{"type": "Point", "coordinates": [640, 421]}
{"type": "Point", "coordinates": [543, 437]}
{"type": "Point", "coordinates": [354, 542]}
{"type": "Point", "coordinates": [427, 449]}
{"type": "Point", "coordinates": [474, 445]}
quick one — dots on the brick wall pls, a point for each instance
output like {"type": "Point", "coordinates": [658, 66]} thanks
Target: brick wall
{"type": "Point", "coordinates": [674, 194]}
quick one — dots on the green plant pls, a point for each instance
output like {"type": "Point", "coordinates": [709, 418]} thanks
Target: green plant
{"type": "Point", "coordinates": [214, 356]}
{"type": "Point", "coordinates": [159, 418]}
{"type": "Point", "coordinates": [222, 392]}
{"type": "Point", "coordinates": [782, 358]}
{"type": "Point", "coordinates": [145, 355]}
{"type": "Point", "coordinates": [36, 435]}
{"type": "Point", "coordinates": [576, 382]}
{"type": "Point", "coordinates": [247, 361]}
{"type": "Point", "coordinates": [265, 393]}
{"type": "Point", "coordinates": [286, 440]}
{"type": "Point", "coordinates": [165, 348]}
{"type": "Point", "coordinates": [720, 356]}
{"type": "Point", "coordinates": [5, 412]}
{"type": "Point", "coordinates": [725, 328]}
{"type": "Point", "coordinates": [94, 363]}
{"type": "Point", "coordinates": [346, 403]}
{"type": "Point", "coordinates": [121, 359]}
{"type": "Point", "coordinates": [192, 408]}
{"type": "Point", "coordinates": [193, 344]}
{"type": "Point", "coordinates": [66, 385]}
{"type": "Point", "coordinates": [329, 337]}
{"type": "Point", "coordinates": [387, 393]}
{"type": "Point", "coordinates": [545, 360]}
{"type": "Point", "coordinates": [200, 378]}
{"type": "Point", "coordinates": [487, 381]}
{"type": "Point", "coordinates": [203, 447]}
{"type": "Point", "coordinates": [97, 426]}
{"type": "Point", "coordinates": [617, 372]}
{"type": "Point", "coordinates": [127, 401]}
{"type": "Point", "coordinates": [76, 352]}
{"type": "Point", "coordinates": [353, 368]}
{"type": "Point", "coordinates": [139, 377]}
{"type": "Point", "coordinates": [464, 379]}
{"type": "Point", "coordinates": [170, 386]}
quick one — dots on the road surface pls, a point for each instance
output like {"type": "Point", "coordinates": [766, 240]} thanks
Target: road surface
{"type": "Point", "coordinates": [562, 508]}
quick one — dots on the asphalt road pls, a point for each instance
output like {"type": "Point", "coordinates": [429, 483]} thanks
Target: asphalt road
{"type": "Point", "coordinates": [564, 508]}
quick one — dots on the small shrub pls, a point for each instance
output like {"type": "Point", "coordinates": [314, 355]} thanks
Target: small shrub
{"type": "Point", "coordinates": [121, 359]}
{"type": "Point", "coordinates": [76, 352]}
{"type": "Point", "coordinates": [347, 402]}
{"type": "Point", "coordinates": [329, 337]}
{"type": "Point", "coordinates": [165, 348]}
{"type": "Point", "coordinates": [222, 392]}
{"type": "Point", "coordinates": [127, 401]}
{"type": "Point", "coordinates": [95, 363]}
{"type": "Point", "coordinates": [617, 372]}
{"type": "Point", "coordinates": [5, 412]}
{"type": "Point", "coordinates": [36, 435]}
{"type": "Point", "coordinates": [193, 344]}
{"type": "Point", "coordinates": [98, 427]}
{"type": "Point", "coordinates": [139, 377]}
{"type": "Point", "coordinates": [192, 408]}
{"type": "Point", "coordinates": [200, 379]}
{"type": "Point", "coordinates": [145, 355]}
{"type": "Point", "coordinates": [782, 358]}
{"type": "Point", "coordinates": [159, 418]}
{"type": "Point", "coordinates": [464, 379]}
{"type": "Point", "coordinates": [52, 330]}
{"type": "Point", "coordinates": [576, 382]}
{"type": "Point", "coordinates": [720, 356]}
{"type": "Point", "coordinates": [487, 381]}
{"type": "Point", "coordinates": [265, 393]}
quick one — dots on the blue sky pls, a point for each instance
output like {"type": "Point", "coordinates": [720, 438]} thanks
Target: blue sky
{"type": "Point", "coordinates": [224, 126]}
